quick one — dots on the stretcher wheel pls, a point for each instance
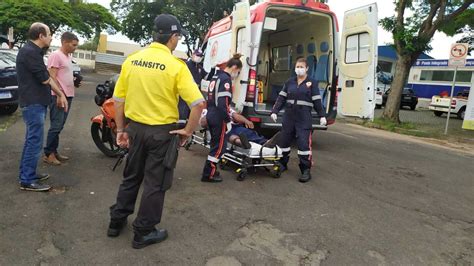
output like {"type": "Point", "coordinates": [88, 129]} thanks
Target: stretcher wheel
{"type": "Point", "coordinates": [223, 163]}
{"type": "Point", "coordinates": [242, 174]}
{"type": "Point", "coordinates": [276, 171]}
{"type": "Point", "coordinates": [188, 144]}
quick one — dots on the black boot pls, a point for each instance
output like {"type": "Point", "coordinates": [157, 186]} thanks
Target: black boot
{"type": "Point", "coordinates": [153, 237]}
{"type": "Point", "coordinates": [215, 179]}
{"type": "Point", "coordinates": [115, 227]}
{"type": "Point", "coordinates": [305, 175]}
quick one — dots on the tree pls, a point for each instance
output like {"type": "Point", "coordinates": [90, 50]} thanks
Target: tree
{"type": "Point", "coordinates": [136, 18]}
{"type": "Point", "coordinates": [195, 15]}
{"type": "Point", "coordinates": [95, 19]}
{"type": "Point", "coordinates": [85, 19]}
{"type": "Point", "coordinates": [89, 45]}
{"type": "Point", "coordinates": [21, 14]}
{"type": "Point", "coordinates": [412, 36]}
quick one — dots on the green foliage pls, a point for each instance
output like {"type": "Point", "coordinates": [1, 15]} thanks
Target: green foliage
{"type": "Point", "coordinates": [412, 36]}
{"type": "Point", "coordinates": [85, 19]}
{"type": "Point", "coordinates": [89, 45]}
{"type": "Point", "coordinates": [95, 19]}
{"type": "Point", "coordinates": [195, 15]}
{"type": "Point", "coordinates": [21, 14]}
{"type": "Point", "coordinates": [136, 19]}
{"type": "Point", "coordinates": [413, 27]}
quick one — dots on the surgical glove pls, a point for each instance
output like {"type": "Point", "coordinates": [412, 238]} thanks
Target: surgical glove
{"type": "Point", "coordinates": [274, 117]}
{"type": "Point", "coordinates": [323, 121]}
{"type": "Point", "coordinates": [229, 127]}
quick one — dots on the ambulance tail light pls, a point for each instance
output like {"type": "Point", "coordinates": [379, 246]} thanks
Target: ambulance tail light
{"type": "Point", "coordinates": [251, 89]}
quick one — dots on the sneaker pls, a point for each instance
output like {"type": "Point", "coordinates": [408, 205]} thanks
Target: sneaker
{"type": "Point", "coordinates": [51, 159]}
{"type": "Point", "coordinates": [41, 177]}
{"type": "Point", "coordinates": [245, 141]}
{"type": "Point", "coordinates": [155, 236]}
{"type": "Point", "coordinates": [61, 157]}
{"type": "Point", "coordinates": [34, 187]}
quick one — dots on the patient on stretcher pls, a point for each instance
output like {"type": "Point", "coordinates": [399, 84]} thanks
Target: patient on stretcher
{"type": "Point", "coordinates": [242, 133]}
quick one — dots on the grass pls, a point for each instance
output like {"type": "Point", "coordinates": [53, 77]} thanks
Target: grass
{"type": "Point", "coordinates": [417, 129]}
{"type": "Point", "coordinates": [407, 128]}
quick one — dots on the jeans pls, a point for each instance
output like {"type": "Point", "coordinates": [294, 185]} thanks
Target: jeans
{"type": "Point", "coordinates": [251, 134]}
{"type": "Point", "coordinates": [58, 119]}
{"type": "Point", "coordinates": [34, 116]}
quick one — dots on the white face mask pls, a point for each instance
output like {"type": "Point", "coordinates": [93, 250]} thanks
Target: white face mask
{"type": "Point", "coordinates": [300, 71]}
{"type": "Point", "coordinates": [197, 59]}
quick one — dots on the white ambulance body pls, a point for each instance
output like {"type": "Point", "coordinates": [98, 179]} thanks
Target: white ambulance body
{"type": "Point", "coordinates": [272, 34]}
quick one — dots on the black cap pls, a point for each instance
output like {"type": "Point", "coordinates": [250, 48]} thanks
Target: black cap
{"type": "Point", "coordinates": [168, 24]}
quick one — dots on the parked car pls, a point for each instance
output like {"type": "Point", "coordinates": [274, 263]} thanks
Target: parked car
{"type": "Point", "coordinates": [8, 83]}
{"type": "Point", "coordinates": [440, 105]}
{"type": "Point", "coordinates": [379, 92]}
{"type": "Point", "coordinates": [408, 98]}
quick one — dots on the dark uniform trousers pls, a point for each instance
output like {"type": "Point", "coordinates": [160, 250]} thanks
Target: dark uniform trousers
{"type": "Point", "coordinates": [217, 127]}
{"type": "Point", "coordinates": [298, 100]}
{"type": "Point", "coordinates": [149, 152]}
{"type": "Point", "coordinates": [218, 99]}
{"type": "Point", "coordinates": [297, 124]}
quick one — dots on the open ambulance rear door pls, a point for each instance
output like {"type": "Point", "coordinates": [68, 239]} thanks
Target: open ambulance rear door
{"type": "Point", "coordinates": [241, 43]}
{"type": "Point", "coordinates": [357, 62]}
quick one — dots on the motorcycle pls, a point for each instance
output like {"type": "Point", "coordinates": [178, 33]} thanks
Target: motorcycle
{"type": "Point", "coordinates": [103, 127]}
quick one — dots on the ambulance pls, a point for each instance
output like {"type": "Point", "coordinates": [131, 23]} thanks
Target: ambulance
{"type": "Point", "coordinates": [272, 34]}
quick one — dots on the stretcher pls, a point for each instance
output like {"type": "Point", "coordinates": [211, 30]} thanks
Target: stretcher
{"type": "Point", "coordinates": [245, 159]}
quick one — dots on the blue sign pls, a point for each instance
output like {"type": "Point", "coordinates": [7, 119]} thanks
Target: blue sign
{"type": "Point", "coordinates": [439, 63]}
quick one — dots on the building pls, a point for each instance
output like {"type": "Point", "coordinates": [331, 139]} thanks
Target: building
{"type": "Point", "coordinates": [430, 77]}
{"type": "Point", "coordinates": [110, 55]}
{"type": "Point", "coordinates": [387, 57]}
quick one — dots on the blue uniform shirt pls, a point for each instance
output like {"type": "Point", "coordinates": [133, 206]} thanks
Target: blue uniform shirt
{"type": "Point", "coordinates": [306, 94]}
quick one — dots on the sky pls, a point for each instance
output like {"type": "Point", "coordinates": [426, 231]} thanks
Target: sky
{"type": "Point", "coordinates": [441, 43]}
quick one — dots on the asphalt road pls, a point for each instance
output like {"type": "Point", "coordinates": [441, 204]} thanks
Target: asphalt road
{"type": "Point", "coordinates": [376, 199]}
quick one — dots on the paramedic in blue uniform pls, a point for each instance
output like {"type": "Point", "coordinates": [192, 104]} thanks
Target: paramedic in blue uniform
{"type": "Point", "coordinates": [299, 96]}
{"type": "Point", "coordinates": [197, 70]}
{"type": "Point", "coordinates": [218, 115]}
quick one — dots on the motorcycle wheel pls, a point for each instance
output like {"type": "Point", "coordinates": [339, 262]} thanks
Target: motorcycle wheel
{"type": "Point", "coordinates": [105, 140]}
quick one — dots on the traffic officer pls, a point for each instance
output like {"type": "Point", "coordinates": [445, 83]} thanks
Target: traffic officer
{"type": "Point", "coordinates": [299, 96]}
{"type": "Point", "coordinates": [197, 70]}
{"type": "Point", "coordinates": [147, 93]}
{"type": "Point", "coordinates": [218, 115]}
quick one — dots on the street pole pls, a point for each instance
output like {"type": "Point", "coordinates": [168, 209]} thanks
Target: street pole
{"type": "Point", "coordinates": [450, 101]}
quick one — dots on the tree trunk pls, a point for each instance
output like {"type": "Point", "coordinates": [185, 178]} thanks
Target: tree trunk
{"type": "Point", "coordinates": [392, 106]}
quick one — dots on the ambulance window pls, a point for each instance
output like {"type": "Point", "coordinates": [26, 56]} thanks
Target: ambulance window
{"type": "Point", "coordinates": [240, 39]}
{"type": "Point", "coordinates": [364, 45]}
{"type": "Point", "coordinates": [357, 48]}
{"type": "Point", "coordinates": [281, 58]}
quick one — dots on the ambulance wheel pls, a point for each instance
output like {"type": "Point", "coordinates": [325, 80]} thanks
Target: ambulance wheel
{"type": "Point", "coordinates": [242, 174]}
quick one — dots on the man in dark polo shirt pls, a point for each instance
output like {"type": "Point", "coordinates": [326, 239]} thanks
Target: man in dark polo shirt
{"type": "Point", "coordinates": [34, 86]}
